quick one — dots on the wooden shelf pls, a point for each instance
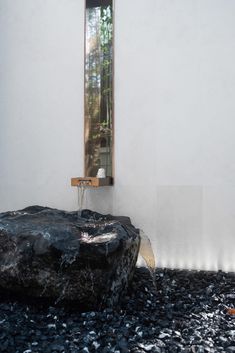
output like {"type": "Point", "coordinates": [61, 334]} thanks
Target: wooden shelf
{"type": "Point", "coordinates": [91, 181]}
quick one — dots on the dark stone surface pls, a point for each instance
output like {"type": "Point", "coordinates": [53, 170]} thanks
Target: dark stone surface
{"type": "Point", "coordinates": [48, 253]}
{"type": "Point", "coordinates": [199, 321]}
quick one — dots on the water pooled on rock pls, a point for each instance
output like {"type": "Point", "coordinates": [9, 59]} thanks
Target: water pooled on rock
{"type": "Point", "coordinates": [146, 251]}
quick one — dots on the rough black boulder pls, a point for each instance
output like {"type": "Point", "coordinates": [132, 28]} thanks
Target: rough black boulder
{"type": "Point", "coordinates": [49, 253]}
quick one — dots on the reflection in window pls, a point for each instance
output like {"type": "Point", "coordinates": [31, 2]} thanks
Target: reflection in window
{"type": "Point", "coordinates": [99, 87]}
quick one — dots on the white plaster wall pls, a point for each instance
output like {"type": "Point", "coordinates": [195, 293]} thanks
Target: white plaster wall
{"type": "Point", "coordinates": [41, 101]}
{"type": "Point", "coordinates": [174, 119]}
{"type": "Point", "coordinates": [175, 128]}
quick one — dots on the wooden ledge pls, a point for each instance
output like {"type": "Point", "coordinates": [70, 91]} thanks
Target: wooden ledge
{"type": "Point", "coordinates": [91, 181]}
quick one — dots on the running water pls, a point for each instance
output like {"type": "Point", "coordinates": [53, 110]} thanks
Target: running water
{"type": "Point", "coordinates": [81, 197]}
{"type": "Point", "coordinates": [147, 254]}
{"type": "Point", "coordinates": [146, 250]}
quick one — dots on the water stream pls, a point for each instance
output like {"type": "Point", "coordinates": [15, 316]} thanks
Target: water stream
{"type": "Point", "coordinates": [146, 251]}
{"type": "Point", "coordinates": [81, 198]}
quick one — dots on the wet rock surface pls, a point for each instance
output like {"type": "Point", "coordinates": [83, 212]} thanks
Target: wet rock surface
{"type": "Point", "coordinates": [187, 313]}
{"type": "Point", "coordinates": [52, 254]}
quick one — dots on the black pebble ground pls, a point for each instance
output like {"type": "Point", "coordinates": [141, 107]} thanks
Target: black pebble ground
{"type": "Point", "coordinates": [186, 312]}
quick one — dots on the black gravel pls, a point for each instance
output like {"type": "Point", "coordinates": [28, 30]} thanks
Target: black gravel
{"type": "Point", "coordinates": [187, 313]}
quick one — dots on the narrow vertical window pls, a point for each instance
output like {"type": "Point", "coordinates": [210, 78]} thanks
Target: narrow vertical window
{"type": "Point", "coordinates": [99, 87]}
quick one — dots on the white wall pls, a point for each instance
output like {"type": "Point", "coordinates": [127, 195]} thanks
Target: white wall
{"type": "Point", "coordinates": [174, 128]}
{"type": "Point", "coordinates": [41, 101]}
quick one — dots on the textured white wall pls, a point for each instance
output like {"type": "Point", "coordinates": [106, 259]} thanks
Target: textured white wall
{"type": "Point", "coordinates": [174, 127]}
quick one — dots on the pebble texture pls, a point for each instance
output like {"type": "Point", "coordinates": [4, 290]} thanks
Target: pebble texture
{"type": "Point", "coordinates": [186, 314]}
{"type": "Point", "coordinates": [52, 254]}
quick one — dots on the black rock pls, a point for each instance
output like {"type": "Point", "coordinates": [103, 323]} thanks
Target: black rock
{"type": "Point", "coordinates": [57, 347]}
{"type": "Point", "coordinates": [48, 253]}
{"type": "Point", "coordinates": [199, 324]}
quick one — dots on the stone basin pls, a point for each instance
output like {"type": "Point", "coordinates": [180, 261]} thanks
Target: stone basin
{"type": "Point", "coordinates": [47, 253]}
